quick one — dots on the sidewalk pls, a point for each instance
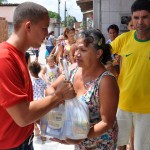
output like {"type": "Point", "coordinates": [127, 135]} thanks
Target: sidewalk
{"type": "Point", "coordinates": [49, 145]}
{"type": "Point", "coordinates": [41, 58]}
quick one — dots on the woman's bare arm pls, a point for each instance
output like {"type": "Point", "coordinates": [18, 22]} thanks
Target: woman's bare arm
{"type": "Point", "coordinates": [108, 98]}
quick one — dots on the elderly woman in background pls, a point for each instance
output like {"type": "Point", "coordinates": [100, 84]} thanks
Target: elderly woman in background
{"type": "Point", "coordinates": [98, 88]}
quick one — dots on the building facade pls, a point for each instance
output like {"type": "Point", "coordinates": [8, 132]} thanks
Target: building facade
{"type": "Point", "coordinates": [7, 11]}
{"type": "Point", "coordinates": [107, 12]}
{"type": "Point", "coordinates": [3, 29]}
{"type": "Point", "coordinates": [87, 10]}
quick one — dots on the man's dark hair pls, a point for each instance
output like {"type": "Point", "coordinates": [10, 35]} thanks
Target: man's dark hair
{"type": "Point", "coordinates": [28, 11]}
{"type": "Point", "coordinates": [114, 27]}
{"type": "Point", "coordinates": [140, 5]}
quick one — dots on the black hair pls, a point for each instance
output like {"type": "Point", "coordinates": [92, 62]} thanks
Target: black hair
{"type": "Point", "coordinates": [35, 67]}
{"type": "Point", "coordinates": [97, 39]}
{"type": "Point", "coordinates": [27, 56]}
{"type": "Point", "coordinates": [52, 32]}
{"type": "Point", "coordinates": [140, 5]}
{"type": "Point", "coordinates": [114, 27]}
{"type": "Point", "coordinates": [28, 11]}
{"type": "Point", "coordinates": [128, 20]}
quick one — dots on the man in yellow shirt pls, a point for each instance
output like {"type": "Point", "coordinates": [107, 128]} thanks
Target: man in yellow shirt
{"type": "Point", "coordinates": [134, 79]}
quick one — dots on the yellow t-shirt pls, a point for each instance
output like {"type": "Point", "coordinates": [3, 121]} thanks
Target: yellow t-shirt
{"type": "Point", "coordinates": [134, 78]}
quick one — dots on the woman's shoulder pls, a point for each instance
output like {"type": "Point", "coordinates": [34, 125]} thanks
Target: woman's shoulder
{"type": "Point", "coordinates": [106, 75]}
{"type": "Point", "coordinates": [107, 79]}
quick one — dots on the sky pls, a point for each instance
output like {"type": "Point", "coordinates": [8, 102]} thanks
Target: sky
{"type": "Point", "coordinates": [52, 5]}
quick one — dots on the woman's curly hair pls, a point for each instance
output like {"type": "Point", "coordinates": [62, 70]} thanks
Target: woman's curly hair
{"type": "Point", "coordinates": [96, 38]}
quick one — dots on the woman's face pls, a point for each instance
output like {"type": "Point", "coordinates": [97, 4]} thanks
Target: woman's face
{"type": "Point", "coordinates": [130, 25]}
{"type": "Point", "coordinates": [85, 55]}
{"type": "Point", "coordinates": [71, 34]}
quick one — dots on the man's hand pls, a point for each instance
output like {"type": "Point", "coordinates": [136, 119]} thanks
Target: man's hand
{"type": "Point", "coordinates": [65, 90]}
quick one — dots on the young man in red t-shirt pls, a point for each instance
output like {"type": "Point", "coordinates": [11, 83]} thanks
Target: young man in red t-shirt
{"type": "Point", "coordinates": [17, 108]}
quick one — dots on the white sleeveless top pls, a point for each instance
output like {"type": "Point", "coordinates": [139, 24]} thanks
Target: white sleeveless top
{"type": "Point", "coordinates": [51, 73]}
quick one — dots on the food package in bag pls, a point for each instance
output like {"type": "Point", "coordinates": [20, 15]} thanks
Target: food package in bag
{"type": "Point", "coordinates": [77, 119]}
{"type": "Point", "coordinates": [52, 123]}
{"type": "Point", "coordinates": [77, 114]}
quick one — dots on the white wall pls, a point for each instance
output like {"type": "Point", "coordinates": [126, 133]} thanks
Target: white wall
{"type": "Point", "coordinates": [7, 12]}
{"type": "Point", "coordinates": [111, 11]}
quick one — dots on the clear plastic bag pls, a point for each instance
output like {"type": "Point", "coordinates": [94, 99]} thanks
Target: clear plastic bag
{"type": "Point", "coordinates": [77, 119]}
{"type": "Point", "coordinates": [52, 123]}
{"type": "Point", "coordinates": [67, 121]}
{"type": "Point", "coordinates": [77, 114]}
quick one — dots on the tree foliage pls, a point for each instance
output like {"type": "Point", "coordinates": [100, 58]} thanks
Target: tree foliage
{"type": "Point", "coordinates": [1, 1]}
{"type": "Point", "coordinates": [54, 15]}
{"type": "Point", "coordinates": [70, 20]}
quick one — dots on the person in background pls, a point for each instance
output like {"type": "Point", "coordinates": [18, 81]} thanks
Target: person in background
{"type": "Point", "coordinates": [36, 51]}
{"type": "Point", "coordinates": [50, 43]}
{"type": "Point", "coordinates": [129, 24]}
{"type": "Point", "coordinates": [116, 63]}
{"type": "Point", "coordinates": [113, 32]}
{"type": "Point", "coordinates": [55, 50]}
{"type": "Point", "coordinates": [67, 44]}
{"type": "Point", "coordinates": [134, 79]}
{"type": "Point", "coordinates": [39, 87]}
{"type": "Point", "coordinates": [17, 108]}
{"type": "Point", "coordinates": [97, 88]}
{"type": "Point", "coordinates": [27, 58]}
{"type": "Point", "coordinates": [50, 72]}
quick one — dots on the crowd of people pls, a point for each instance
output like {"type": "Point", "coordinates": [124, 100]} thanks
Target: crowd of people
{"type": "Point", "coordinates": [111, 77]}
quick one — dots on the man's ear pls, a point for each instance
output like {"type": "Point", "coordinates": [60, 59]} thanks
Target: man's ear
{"type": "Point", "coordinates": [28, 26]}
{"type": "Point", "coordinates": [99, 53]}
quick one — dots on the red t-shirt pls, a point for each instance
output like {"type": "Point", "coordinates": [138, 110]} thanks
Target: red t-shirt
{"type": "Point", "coordinates": [15, 87]}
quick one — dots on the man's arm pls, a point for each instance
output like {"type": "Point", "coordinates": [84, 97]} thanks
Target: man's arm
{"type": "Point", "coordinates": [118, 43]}
{"type": "Point", "coordinates": [25, 113]}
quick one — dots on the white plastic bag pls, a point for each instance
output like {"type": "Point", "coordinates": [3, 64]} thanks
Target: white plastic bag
{"type": "Point", "coordinates": [77, 114]}
{"type": "Point", "coordinates": [67, 121]}
{"type": "Point", "coordinates": [65, 67]}
{"type": "Point", "coordinates": [77, 119]}
{"type": "Point", "coordinates": [52, 123]}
